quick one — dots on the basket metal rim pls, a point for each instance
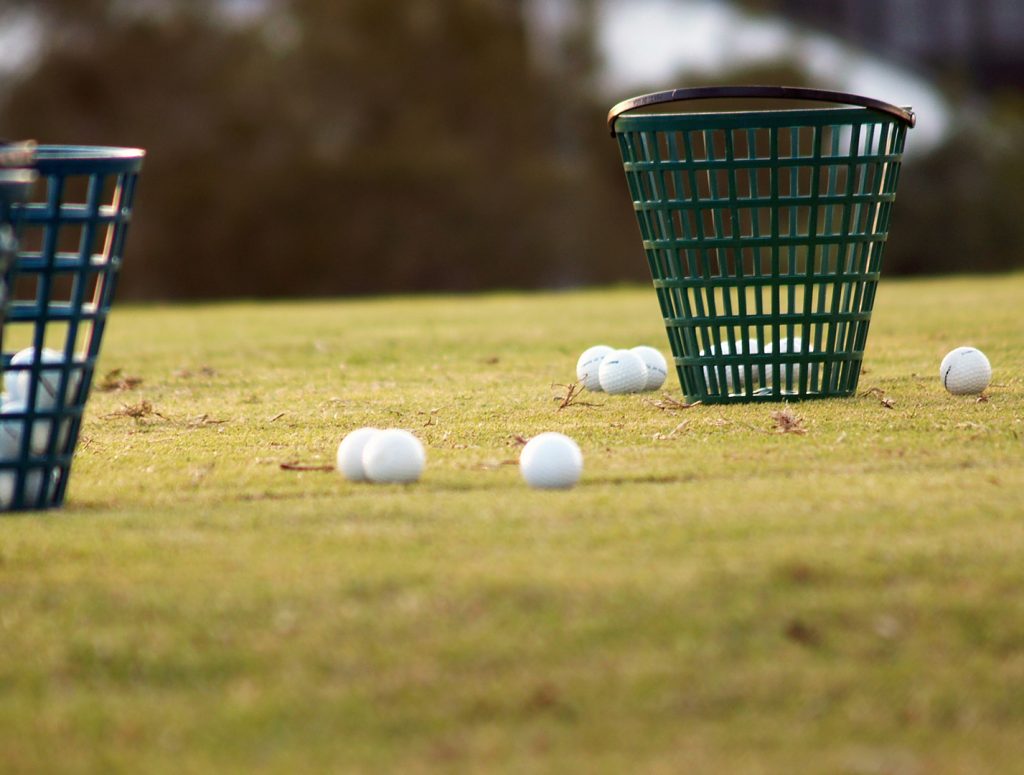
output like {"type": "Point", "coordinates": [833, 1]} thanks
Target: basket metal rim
{"type": "Point", "coordinates": [86, 158]}
{"type": "Point", "coordinates": [905, 115]}
{"type": "Point", "coordinates": [787, 118]}
{"type": "Point", "coordinates": [46, 152]}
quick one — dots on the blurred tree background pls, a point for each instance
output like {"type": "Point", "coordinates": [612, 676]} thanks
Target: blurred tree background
{"type": "Point", "coordinates": [322, 147]}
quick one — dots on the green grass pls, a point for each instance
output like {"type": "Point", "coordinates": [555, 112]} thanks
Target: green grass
{"type": "Point", "coordinates": [713, 597]}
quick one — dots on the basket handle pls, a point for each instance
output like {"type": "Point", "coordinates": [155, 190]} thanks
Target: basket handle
{"type": "Point", "coordinates": [770, 92]}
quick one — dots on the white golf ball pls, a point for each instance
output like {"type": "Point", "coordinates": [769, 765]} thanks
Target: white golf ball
{"type": "Point", "coordinates": [785, 345]}
{"type": "Point", "coordinates": [751, 346]}
{"type": "Point", "coordinates": [16, 382]}
{"type": "Point", "coordinates": [11, 434]}
{"type": "Point", "coordinates": [657, 368]}
{"type": "Point", "coordinates": [588, 365]}
{"type": "Point", "coordinates": [12, 428]}
{"type": "Point", "coordinates": [551, 461]}
{"type": "Point", "coordinates": [622, 371]}
{"type": "Point", "coordinates": [350, 454]}
{"type": "Point", "coordinates": [393, 456]}
{"type": "Point", "coordinates": [965, 371]}
{"type": "Point", "coordinates": [31, 490]}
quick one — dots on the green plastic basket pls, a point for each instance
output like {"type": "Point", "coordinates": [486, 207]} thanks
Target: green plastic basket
{"type": "Point", "coordinates": [764, 233]}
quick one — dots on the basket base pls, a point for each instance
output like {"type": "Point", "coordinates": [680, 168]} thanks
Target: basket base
{"type": "Point", "coordinates": [766, 396]}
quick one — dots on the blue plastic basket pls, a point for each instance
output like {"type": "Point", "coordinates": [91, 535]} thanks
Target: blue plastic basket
{"type": "Point", "coordinates": [70, 234]}
{"type": "Point", "coordinates": [17, 177]}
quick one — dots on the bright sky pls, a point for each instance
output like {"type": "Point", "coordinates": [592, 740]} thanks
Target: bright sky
{"type": "Point", "coordinates": [648, 44]}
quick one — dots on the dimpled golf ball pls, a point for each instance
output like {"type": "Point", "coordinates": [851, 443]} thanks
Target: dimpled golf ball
{"type": "Point", "coordinates": [657, 368]}
{"type": "Point", "coordinates": [622, 371]}
{"type": "Point", "coordinates": [17, 382]}
{"type": "Point", "coordinates": [589, 364]}
{"type": "Point", "coordinates": [785, 345]}
{"type": "Point", "coordinates": [965, 371]}
{"type": "Point", "coordinates": [350, 454]}
{"type": "Point", "coordinates": [31, 489]}
{"type": "Point", "coordinates": [393, 456]}
{"type": "Point", "coordinates": [551, 461]}
{"type": "Point", "coordinates": [11, 430]}
{"type": "Point", "coordinates": [751, 346]}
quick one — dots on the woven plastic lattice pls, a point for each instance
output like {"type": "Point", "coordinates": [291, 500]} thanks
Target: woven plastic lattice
{"type": "Point", "coordinates": [764, 233]}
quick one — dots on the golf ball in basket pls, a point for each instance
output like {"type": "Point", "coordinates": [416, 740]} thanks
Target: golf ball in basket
{"type": "Point", "coordinates": [622, 371]}
{"type": "Point", "coordinates": [751, 346]}
{"type": "Point", "coordinates": [393, 456]}
{"type": "Point", "coordinates": [11, 430]}
{"type": "Point", "coordinates": [588, 365]}
{"type": "Point", "coordinates": [794, 345]}
{"type": "Point", "coordinates": [657, 368]}
{"type": "Point", "coordinates": [16, 382]}
{"type": "Point", "coordinates": [350, 454]}
{"type": "Point", "coordinates": [551, 461]}
{"type": "Point", "coordinates": [965, 371]}
{"type": "Point", "coordinates": [31, 489]}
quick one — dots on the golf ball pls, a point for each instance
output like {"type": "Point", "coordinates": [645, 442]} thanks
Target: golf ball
{"type": "Point", "coordinates": [657, 368]}
{"type": "Point", "coordinates": [794, 345]}
{"type": "Point", "coordinates": [393, 456]}
{"type": "Point", "coordinates": [350, 454]}
{"type": "Point", "coordinates": [622, 371]}
{"type": "Point", "coordinates": [551, 461]}
{"type": "Point", "coordinates": [965, 371]}
{"type": "Point", "coordinates": [17, 381]}
{"type": "Point", "coordinates": [12, 428]}
{"type": "Point", "coordinates": [31, 489]}
{"type": "Point", "coordinates": [11, 434]}
{"type": "Point", "coordinates": [588, 365]}
{"type": "Point", "coordinates": [751, 346]}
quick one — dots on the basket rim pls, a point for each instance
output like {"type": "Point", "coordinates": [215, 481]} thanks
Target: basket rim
{"type": "Point", "coordinates": [77, 152]}
{"type": "Point", "coordinates": [905, 115]}
{"type": "Point", "coordinates": [87, 159]}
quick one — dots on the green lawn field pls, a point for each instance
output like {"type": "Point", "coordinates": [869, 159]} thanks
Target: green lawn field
{"type": "Point", "coordinates": [714, 596]}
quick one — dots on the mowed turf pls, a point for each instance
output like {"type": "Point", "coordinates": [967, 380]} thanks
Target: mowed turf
{"type": "Point", "coordinates": [715, 595]}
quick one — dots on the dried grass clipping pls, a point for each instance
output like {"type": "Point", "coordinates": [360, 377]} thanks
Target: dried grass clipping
{"type": "Point", "coordinates": [788, 422]}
